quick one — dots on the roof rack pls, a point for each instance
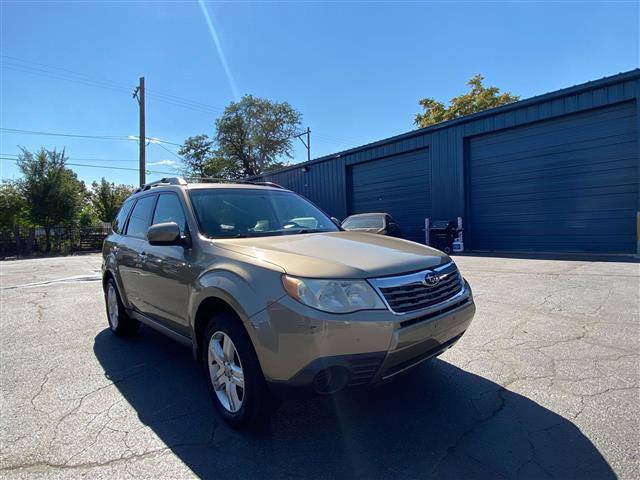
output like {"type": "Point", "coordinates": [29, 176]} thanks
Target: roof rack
{"type": "Point", "coordinates": [226, 180]}
{"type": "Point", "coordinates": [264, 184]}
{"type": "Point", "coordinates": [162, 181]}
{"type": "Point", "coordinates": [187, 180]}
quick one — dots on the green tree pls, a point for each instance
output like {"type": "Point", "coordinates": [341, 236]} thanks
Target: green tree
{"type": "Point", "coordinates": [201, 159]}
{"type": "Point", "coordinates": [88, 217]}
{"type": "Point", "coordinates": [53, 194]}
{"type": "Point", "coordinates": [12, 206]}
{"type": "Point", "coordinates": [107, 197]}
{"type": "Point", "coordinates": [254, 134]}
{"type": "Point", "coordinates": [196, 153]}
{"type": "Point", "coordinates": [477, 99]}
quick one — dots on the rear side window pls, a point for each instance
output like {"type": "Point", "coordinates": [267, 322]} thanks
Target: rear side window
{"type": "Point", "coordinates": [169, 209]}
{"type": "Point", "coordinates": [121, 217]}
{"type": "Point", "coordinates": [141, 217]}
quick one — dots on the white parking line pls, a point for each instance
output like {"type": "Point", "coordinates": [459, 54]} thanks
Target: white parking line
{"type": "Point", "coordinates": [74, 279]}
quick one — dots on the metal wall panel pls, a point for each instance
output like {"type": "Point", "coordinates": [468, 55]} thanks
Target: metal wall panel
{"type": "Point", "coordinates": [325, 182]}
{"type": "Point", "coordinates": [569, 184]}
{"type": "Point", "coordinates": [397, 185]}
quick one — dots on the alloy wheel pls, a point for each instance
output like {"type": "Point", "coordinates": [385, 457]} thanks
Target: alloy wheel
{"type": "Point", "coordinates": [225, 370]}
{"type": "Point", "coordinates": [112, 306]}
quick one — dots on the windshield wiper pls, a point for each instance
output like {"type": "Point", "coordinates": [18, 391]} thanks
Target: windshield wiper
{"type": "Point", "coordinates": [303, 230]}
{"type": "Point", "coordinates": [256, 234]}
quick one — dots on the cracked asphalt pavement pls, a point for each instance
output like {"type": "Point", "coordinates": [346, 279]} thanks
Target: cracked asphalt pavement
{"type": "Point", "coordinates": [544, 384]}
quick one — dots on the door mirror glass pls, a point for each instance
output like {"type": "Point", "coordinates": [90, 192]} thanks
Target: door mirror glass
{"type": "Point", "coordinates": [167, 233]}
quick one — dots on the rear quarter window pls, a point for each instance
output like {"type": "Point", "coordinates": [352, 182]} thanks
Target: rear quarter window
{"type": "Point", "coordinates": [141, 217]}
{"type": "Point", "coordinates": [121, 217]}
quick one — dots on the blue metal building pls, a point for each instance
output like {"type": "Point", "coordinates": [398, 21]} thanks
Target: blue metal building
{"type": "Point", "coordinates": [554, 173]}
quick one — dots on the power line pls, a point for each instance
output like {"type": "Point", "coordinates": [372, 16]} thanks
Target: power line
{"type": "Point", "coordinates": [98, 166]}
{"type": "Point", "coordinates": [37, 68]}
{"type": "Point", "coordinates": [57, 76]}
{"type": "Point", "coordinates": [15, 155]}
{"type": "Point", "coordinates": [18, 61]}
{"type": "Point", "coordinates": [51, 71]}
{"type": "Point", "coordinates": [172, 153]}
{"type": "Point", "coordinates": [183, 102]}
{"type": "Point", "coordinates": [74, 135]}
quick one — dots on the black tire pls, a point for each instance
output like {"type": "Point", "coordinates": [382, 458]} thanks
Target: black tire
{"type": "Point", "coordinates": [256, 399]}
{"type": "Point", "coordinates": [122, 325]}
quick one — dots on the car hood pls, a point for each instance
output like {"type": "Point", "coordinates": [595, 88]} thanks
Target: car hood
{"type": "Point", "coordinates": [338, 254]}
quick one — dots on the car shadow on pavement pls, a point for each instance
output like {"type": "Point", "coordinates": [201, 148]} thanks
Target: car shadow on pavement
{"type": "Point", "coordinates": [435, 422]}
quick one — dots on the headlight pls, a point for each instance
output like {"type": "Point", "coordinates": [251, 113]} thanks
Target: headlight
{"type": "Point", "coordinates": [334, 296]}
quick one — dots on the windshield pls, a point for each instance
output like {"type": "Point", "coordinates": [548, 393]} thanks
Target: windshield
{"type": "Point", "coordinates": [363, 222]}
{"type": "Point", "coordinates": [226, 213]}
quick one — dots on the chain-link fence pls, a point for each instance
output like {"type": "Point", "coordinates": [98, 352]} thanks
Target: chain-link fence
{"type": "Point", "coordinates": [22, 241]}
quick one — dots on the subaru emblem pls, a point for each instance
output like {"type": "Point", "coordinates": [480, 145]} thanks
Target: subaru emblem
{"type": "Point", "coordinates": [431, 279]}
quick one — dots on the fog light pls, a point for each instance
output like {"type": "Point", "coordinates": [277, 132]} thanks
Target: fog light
{"type": "Point", "coordinates": [330, 380]}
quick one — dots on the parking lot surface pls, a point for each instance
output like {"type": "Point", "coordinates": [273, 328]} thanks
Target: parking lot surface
{"type": "Point", "coordinates": [544, 384]}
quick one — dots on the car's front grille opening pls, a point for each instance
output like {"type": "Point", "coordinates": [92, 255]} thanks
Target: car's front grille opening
{"type": "Point", "coordinates": [433, 313]}
{"type": "Point", "coordinates": [415, 296]}
{"type": "Point", "coordinates": [422, 357]}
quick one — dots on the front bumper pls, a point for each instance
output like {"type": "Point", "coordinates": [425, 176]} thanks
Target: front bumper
{"type": "Point", "coordinates": [298, 346]}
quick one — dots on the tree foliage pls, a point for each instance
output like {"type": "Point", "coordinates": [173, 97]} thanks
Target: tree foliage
{"type": "Point", "coordinates": [477, 99]}
{"type": "Point", "coordinates": [106, 198]}
{"type": "Point", "coordinates": [52, 193]}
{"type": "Point", "coordinates": [12, 206]}
{"type": "Point", "coordinates": [255, 132]}
{"type": "Point", "coordinates": [253, 136]}
{"type": "Point", "coordinates": [197, 152]}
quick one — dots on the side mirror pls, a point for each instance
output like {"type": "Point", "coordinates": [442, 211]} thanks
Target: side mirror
{"type": "Point", "coordinates": [336, 221]}
{"type": "Point", "coordinates": [164, 234]}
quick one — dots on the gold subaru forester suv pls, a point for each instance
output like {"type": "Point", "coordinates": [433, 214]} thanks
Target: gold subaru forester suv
{"type": "Point", "coordinates": [271, 294]}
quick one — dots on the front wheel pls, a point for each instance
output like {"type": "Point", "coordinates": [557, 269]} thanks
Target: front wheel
{"type": "Point", "coordinates": [119, 322]}
{"type": "Point", "coordinates": [236, 384]}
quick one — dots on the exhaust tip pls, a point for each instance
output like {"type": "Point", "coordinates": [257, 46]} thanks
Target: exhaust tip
{"type": "Point", "coordinates": [330, 380]}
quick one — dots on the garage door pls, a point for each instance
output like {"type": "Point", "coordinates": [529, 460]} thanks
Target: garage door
{"type": "Point", "coordinates": [569, 184]}
{"type": "Point", "coordinates": [398, 185]}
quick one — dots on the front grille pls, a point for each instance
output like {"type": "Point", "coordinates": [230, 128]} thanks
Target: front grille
{"type": "Point", "coordinates": [434, 313]}
{"type": "Point", "coordinates": [414, 294]}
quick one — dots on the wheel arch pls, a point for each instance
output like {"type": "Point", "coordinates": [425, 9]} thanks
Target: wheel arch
{"type": "Point", "coordinates": [209, 306]}
{"type": "Point", "coordinates": [105, 278]}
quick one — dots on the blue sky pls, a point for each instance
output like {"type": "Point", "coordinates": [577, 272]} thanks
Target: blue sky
{"type": "Point", "coordinates": [354, 69]}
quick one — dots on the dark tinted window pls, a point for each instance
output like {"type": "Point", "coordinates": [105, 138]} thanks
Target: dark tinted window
{"type": "Point", "coordinates": [121, 217]}
{"type": "Point", "coordinates": [169, 209]}
{"type": "Point", "coordinates": [254, 213]}
{"type": "Point", "coordinates": [373, 221]}
{"type": "Point", "coordinates": [141, 217]}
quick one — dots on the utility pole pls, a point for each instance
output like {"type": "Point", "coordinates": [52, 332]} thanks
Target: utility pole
{"type": "Point", "coordinates": [139, 95]}
{"type": "Point", "coordinates": [307, 144]}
